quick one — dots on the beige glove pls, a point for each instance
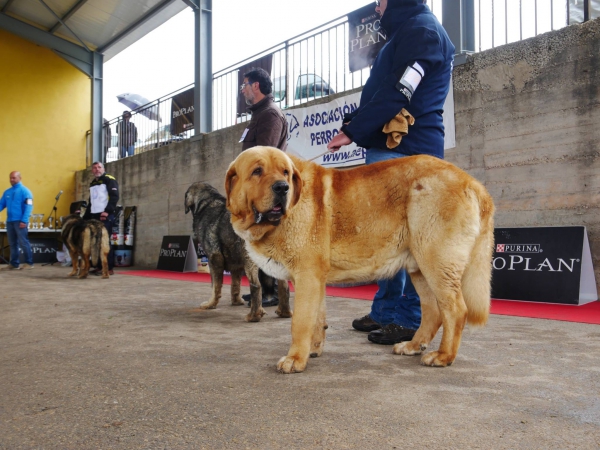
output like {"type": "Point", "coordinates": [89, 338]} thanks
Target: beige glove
{"type": "Point", "coordinates": [398, 127]}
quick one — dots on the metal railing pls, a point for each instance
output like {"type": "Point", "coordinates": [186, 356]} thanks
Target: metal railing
{"type": "Point", "coordinates": [315, 64]}
{"type": "Point", "coordinates": [157, 123]}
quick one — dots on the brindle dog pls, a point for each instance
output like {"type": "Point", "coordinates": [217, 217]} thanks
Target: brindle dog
{"type": "Point", "coordinates": [85, 239]}
{"type": "Point", "coordinates": [226, 251]}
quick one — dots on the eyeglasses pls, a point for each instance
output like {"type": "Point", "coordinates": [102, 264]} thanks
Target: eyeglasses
{"type": "Point", "coordinates": [243, 85]}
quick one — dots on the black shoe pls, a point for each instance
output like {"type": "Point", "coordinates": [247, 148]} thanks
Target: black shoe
{"type": "Point", "coordinates": [391, 334]}
{"type": "Point", "coordinates": [272, 301]}
{"type": "Point", "coordinates": [95, 271]}
{"type": "Point", "coordinates": [365, 324]}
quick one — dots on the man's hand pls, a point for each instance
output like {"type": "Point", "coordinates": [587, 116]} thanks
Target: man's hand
{"type": "Point", "coordinates": [339, 140]}
{"type": "Point", "coordinates": [103, 215]}
{"type": "Point", "coordinates": [22, 225]}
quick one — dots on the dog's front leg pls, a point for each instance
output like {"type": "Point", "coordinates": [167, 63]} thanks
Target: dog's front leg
{"type": "Point", "coordinates": [310, 294]}
{"type": "Point", "coordinates": [256, 309]}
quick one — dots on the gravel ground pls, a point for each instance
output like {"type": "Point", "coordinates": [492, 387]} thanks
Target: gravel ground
{"type": "Point", "coordinates": [124, 364]}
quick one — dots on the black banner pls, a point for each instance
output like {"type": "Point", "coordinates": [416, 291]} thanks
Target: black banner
{"type": "Point", "coordinates": [177, 254]}
{"type": "Point", "coordinates": [539, 264]}
{"type": "Point", "coordinates": [366, 37]}
{"type": "Point", "coordinates": [43, 249]}
{"type": "Point", "coordinates": [182, 112]}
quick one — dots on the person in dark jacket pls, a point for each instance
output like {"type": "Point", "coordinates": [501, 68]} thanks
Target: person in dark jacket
{"type": "Point", "coordinates": [411, 71]}
{"type": "Point", "coordinates": [104, 196]}
{"type": "Point", "coordinates": [267, 126]}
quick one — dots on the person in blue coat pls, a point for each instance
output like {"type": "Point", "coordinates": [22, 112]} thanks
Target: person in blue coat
{"type": "Point", "coordinates": [18, 202]}
{"type": "Point", "coordinates": [412, 71]}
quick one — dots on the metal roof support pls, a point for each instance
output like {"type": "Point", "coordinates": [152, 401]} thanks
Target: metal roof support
{"type": "Point", "coordinates": [458, 18]}
{"type": "Point", "coordinates": [203, 65]}
{"type": "Point", "coordinates": [72, 53]}
{"type": "Point", "coordinates": [68, 15]}
{"type": "Point", "coordinates": [97, 122]}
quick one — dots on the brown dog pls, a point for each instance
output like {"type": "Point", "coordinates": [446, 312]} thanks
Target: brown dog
{"type": "Point", "coordinates": [315, 225]}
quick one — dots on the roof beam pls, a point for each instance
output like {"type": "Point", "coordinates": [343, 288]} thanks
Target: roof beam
{"type": "Point", "coordinates": [153, 12]}
{"type": "Point", "coordinates": [66, 26]}
{"type": "Point", "coordinates": [8, 3]}
{"type": "Point", "coordinates": [76, 55]}
{"type": "Point", "coordinates": [67, 16]}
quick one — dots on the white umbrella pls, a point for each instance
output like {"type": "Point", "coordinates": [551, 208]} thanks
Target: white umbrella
{"type": "Point", "coordinates": [135, 101]}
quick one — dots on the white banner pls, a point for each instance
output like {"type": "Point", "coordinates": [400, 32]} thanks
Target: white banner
{"type": "Point", "coordinates": [310, 129]}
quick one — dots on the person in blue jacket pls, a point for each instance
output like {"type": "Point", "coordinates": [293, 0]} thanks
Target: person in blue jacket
{"type": "Point", "coordinates": [18, 202]}
{"type": "Point", "coordinates": [411, 71]}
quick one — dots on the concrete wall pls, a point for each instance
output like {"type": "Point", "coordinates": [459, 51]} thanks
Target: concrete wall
{"type": "Point", "coordinates": [527, 125]}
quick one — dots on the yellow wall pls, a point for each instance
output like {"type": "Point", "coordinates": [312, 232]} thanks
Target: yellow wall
{"type": "Point", "coordinates": [45, 108]}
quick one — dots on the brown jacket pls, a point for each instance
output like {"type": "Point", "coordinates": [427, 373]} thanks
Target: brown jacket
{"type": "Point", "coordinates": [267, 126]}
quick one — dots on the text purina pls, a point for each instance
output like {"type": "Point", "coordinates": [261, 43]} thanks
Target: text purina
{"type": "Point", "coordinates": [518, 248]}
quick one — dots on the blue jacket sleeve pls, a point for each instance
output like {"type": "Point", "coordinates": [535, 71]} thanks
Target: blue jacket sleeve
{"type": "Point", "coordinates": [423, 46]}
{"type": "Point", "coordinates": [28, 205]}
{"type": "Point", "coordinates": [2, 203]}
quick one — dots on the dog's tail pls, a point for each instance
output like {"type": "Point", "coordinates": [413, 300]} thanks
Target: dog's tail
{"type": "Point", "coordinates": [476, 280]}
{"type": "Point", "coordinates": [95, 243]}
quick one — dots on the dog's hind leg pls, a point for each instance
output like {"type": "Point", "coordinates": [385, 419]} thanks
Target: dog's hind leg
{"type": "Point", "coordinates": [283, 292]}
{"type": "Point", "coordinates": [444, 280]}
{"type": "Point", "coordinates": [216, 266]}
{"type": "Point", "coordinates": [430, 319]}
{"type": "Point", "coordinates": [75, 262]}
{"type": "Point", "coordinates": [256, 309]}
{"type": "Point", "coordinates": [236, 278]}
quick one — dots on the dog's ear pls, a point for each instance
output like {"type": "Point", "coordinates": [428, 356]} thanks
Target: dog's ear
{"type": "Point", "coordinates": [230, 179]}
{"type": "Point", "coordinates": [297, 182]}
{"type": "Point", "coordinates": [189, 205]}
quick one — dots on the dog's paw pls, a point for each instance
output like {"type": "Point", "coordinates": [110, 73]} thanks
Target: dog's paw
{"type": "Point", "coordinates": [407, 348]}
{"type": "Point", "coordinates": [289, 364]}
{"type": "Point", "coordinates": [208, 305]}
{"type": "Point", "coordinates": [437, 359]}
{"type": "Point", "coordinates": [84, 275]}
{"type": "Point", "coordinates": [255, 317]}
{"type": "Point", "coordinates": [285, 314]}
{"type": "Point", "coordinates": [237, 301]}
{"type": "Point", "coordinates": [72, 274]}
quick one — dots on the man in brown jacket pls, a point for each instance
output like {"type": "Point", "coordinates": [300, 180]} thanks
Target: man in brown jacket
{"type": "Point", "coordinates": [266, 127]}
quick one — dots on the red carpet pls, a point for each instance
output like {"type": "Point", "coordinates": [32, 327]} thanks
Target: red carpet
{"type": "Point", "coordinates": [589, 313]}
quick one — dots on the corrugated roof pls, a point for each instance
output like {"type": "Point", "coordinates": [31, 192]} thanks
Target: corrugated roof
{"type": "Point", "coordinates": [104, 26]}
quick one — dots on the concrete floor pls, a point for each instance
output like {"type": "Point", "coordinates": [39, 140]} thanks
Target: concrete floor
{"type": "Point", "coordinates": [123, 364]}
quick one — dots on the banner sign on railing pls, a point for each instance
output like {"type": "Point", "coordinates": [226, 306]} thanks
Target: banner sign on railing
{"type": "Point", "coordinates": [366, 37]}
{"type": "Point", "coordinates": [310, 129]}
{"type": "Point", "coordinates": [182, 112]}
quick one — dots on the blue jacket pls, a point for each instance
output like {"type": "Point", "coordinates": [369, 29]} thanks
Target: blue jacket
{"type": "Point", "coordinates": [19, 203]}
{"type": "Point", "coordinates": [414, 35]}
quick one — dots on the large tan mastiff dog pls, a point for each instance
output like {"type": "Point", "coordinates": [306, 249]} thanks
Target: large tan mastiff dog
{"type": "Point", "coordinates": [315, 225]}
